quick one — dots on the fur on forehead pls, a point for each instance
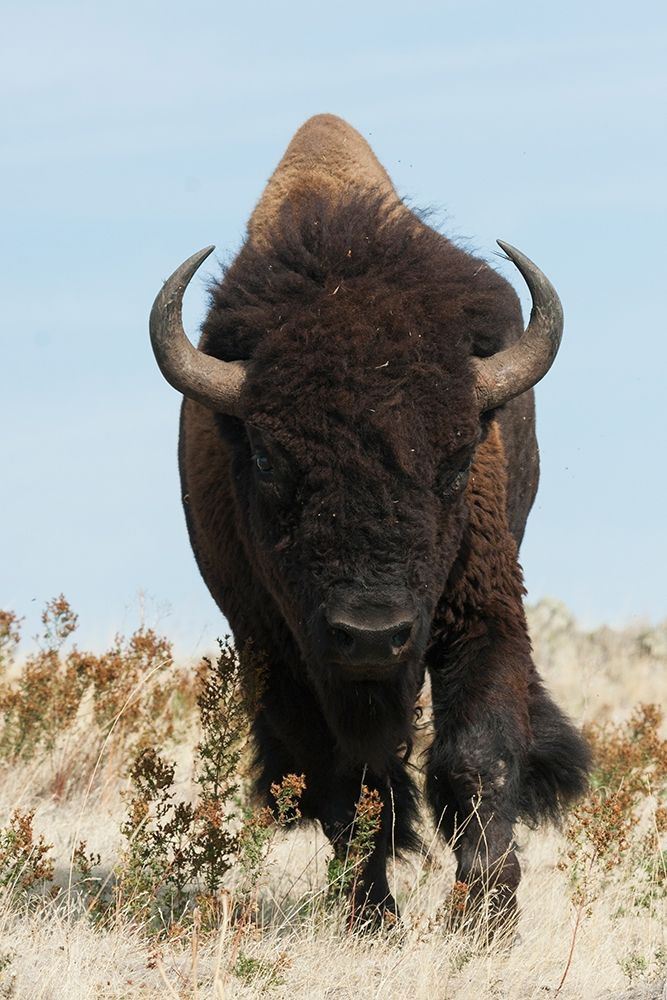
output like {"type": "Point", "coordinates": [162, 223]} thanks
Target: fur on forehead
{"type": "Point", "coordinates": [355, 312]}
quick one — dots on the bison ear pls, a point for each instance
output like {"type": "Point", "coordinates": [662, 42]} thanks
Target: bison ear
{"type": "Point", "coordinates": [216, 384]}
{"type": "Point", "coordinates": [510, 372]}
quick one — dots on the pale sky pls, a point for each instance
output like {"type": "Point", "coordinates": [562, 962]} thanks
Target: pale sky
{"type": "Point", "coordinates": [135, 133]}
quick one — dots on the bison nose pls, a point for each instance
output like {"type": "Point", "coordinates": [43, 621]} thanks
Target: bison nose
{"type": "Point", "coordinates": [370, 639]}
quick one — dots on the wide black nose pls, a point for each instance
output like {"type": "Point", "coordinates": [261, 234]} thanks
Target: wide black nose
{"type": "Point", "coordinates": [372, 637]}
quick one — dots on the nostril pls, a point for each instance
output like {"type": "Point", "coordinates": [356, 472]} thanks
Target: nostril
{"type": "Point", "coordinates": [344, 639]}
{"type": "Point", "coordinates": [400, 637]}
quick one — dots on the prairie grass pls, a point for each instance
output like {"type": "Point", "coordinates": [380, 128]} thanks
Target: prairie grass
{"type": "Point", "coordinates": [133, 865]}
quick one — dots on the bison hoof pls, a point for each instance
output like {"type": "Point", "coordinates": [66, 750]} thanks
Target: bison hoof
{"type": "Point", "coordinates": [368, 916]}
{"type": "Point", "coordinates": [486, 915]}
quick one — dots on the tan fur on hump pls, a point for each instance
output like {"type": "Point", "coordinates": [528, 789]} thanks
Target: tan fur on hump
{"type": "Point", "coordinates": [326, 154]}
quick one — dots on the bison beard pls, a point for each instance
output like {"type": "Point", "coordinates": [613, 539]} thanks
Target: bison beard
{"type": "Point", "coordinates": [359, 422]}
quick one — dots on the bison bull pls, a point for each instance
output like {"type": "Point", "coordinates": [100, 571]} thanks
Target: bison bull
{"type": "Point", "coordinates": [358, 460]}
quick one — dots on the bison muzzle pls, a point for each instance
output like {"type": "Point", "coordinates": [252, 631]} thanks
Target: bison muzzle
{"type": "Point", "coordinates": [358, 460]}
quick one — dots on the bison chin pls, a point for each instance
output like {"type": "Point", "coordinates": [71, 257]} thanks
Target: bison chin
{"type": "Point", "coordinates": [371, 720]}
{"type": "Point", "coordinates": [364, 661]}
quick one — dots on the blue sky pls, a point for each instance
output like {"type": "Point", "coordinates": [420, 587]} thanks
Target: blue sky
{"type": "Point", "coordinates": [136, 133]}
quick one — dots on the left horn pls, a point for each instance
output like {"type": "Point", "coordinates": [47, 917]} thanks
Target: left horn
{"type": "Point", "coordinates": [215, 384]}
{"type": "Point", "coordinates": [510, 372]}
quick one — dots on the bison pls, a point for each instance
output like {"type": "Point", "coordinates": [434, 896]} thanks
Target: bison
{"type": "Point", "coordinates": [358, 459]}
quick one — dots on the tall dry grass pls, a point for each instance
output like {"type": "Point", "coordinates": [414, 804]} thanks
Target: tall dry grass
{"type": "Point", "coordinates": [73, 920]}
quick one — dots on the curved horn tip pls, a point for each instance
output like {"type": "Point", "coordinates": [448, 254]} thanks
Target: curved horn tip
{"type": "Point", "coordinates": [543, 292]}
{"type": "Point", "coordinates": [197, 259]}
{"type": "Point", "coordinates": [206, 251]}
{"type": "Point", "coordinates": [511, 251]}
{"type": "Point", "coordinates": [174, 286]}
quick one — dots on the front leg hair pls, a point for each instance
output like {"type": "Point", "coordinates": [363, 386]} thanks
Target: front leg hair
{"type": "Point", "coordinates": [481, 692]}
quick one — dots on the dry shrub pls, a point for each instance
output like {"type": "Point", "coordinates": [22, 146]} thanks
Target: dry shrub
{"type": "Point", "coordinates": [10, 635]}
{"type": "Point", "coordinates": [132, 692]}
{"type": "Point", "coordinates": [616, 833]}
{"type": "Point", "coordinates": [25, 863]}
{"type": "Point", "coordinates": [180, 854]}
{"type": "Point", "coordinates": [623, 816]}
{"type": "Point", "coordinates": [631, 756]}
{"type": "Point", "coordinates": [346, 867]}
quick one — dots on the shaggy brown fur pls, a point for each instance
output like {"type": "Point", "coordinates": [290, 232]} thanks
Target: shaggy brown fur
{"type": "Point", "coordinates": [361, 322]}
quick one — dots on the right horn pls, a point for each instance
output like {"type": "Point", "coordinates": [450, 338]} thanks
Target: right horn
{"type": "Point", "coordinates": [508, 373]}
{"type": "Point", "coordinates": [216, 384]}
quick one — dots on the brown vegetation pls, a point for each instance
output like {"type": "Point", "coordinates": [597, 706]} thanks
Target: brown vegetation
{"type": "Point", "coordinates": [126, 823]}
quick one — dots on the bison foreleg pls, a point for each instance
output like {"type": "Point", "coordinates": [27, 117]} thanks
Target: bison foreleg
{"type": "Point", "coordinates": [290, 741]}
{"type": "Point", "coordinates": [471, 788]}
{"type": "Point", "coordinates": [359, 817]}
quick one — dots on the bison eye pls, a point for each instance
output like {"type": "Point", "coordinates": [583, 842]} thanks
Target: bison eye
{"type": "Point", "coordinates": [263, 462]}
{"type": "Point", "coordinates": [453, 480]}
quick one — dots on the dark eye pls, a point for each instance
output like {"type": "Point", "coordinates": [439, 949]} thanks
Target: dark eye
{"type": "Point", "coordinates": [263, 462]}
{"type": "Point", "coordinates": [453, 480]}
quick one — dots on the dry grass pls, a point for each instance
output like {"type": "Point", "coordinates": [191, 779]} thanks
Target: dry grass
{"type": "Point", "coordinates": [295, 943]}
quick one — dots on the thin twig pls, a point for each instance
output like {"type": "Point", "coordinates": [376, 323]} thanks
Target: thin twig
{"type": "Point", "coordinates": [570, 956]}
{"type": "Point", "coordinates": [580, 909]}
